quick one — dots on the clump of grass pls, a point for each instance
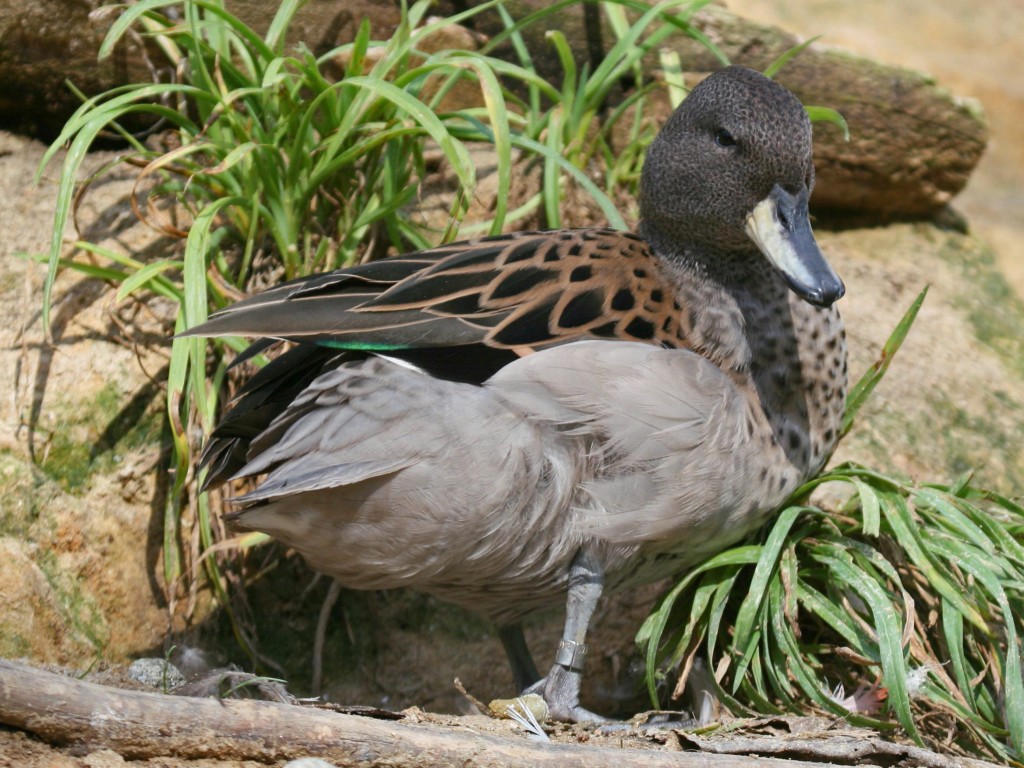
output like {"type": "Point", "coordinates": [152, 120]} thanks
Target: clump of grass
{"type": "Point", "coordinates": [272, 154]}
{"type": "Point", "coordinates": [910, 593]}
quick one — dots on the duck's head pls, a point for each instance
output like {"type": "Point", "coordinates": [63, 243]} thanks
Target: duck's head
{"type": "Point", "coordinates": [729, 178]}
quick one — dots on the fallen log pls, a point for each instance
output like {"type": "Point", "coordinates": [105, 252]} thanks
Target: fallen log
{"type": "Point", "coordinates": [65, 711]}
{"type": "Point", "coordinates": [140, 725]}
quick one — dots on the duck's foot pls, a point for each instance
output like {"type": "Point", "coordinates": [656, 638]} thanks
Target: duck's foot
{"type": "Point", "coordinates": [561, 692]}
{"type": "Point", "coordinates": [561, 688]}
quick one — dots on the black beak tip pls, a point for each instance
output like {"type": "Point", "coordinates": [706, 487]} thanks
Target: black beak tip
{"type": "Point", "coordinates": [823, 294]}
{"type": "Point", "coordinates": [826, 295]}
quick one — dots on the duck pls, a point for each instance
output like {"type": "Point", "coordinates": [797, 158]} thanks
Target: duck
{"type": "Point", "coordinates": [541, 418]}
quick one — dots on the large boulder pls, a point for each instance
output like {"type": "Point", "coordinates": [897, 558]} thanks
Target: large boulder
{"type": "Point", "coordinates": [45, 43]}
{"type": "Point", "coordinates": [81, 468]}
{"type": "Point", "coordinates": [952, 400]}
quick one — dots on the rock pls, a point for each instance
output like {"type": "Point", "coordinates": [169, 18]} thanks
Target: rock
{"type": "Point", "coordinates": [36, 621]}
{"type": "Point", "coordinates": [527, 705]}
{"type": "Point", "coordinates": [156, 673]}
{"type": "Point", "coordinates": [44, 43]}
{"type": "Point", "coordinates": [77, 580]}
{"type": "Point", "coordinates": [952, 400]}
{"type": "Point", "coordinates": [81, 508]}
{"type": "Point", "coordinates": [103, 758]}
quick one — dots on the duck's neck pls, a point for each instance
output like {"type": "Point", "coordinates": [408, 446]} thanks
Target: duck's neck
{"type": "Point", "coordinates": [717, 293]}
{"type": "Point", "coordinates": [789, 356]}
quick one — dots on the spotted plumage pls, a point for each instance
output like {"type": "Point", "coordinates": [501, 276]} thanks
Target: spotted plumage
{"type": "Point", "coordinates": [522, 292]}
{"type": "Point", "coordinates": [516, 421]}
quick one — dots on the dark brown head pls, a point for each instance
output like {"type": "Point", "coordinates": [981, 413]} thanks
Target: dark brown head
{"type": "Point", "coordinates": [730, 175]}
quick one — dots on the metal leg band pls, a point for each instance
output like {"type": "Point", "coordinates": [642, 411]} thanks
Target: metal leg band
{"type": "Point", "coordinates": [571, 655]}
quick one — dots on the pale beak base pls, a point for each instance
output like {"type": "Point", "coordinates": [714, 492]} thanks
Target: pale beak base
{"type": "Point", "coordinates": [781, 228]}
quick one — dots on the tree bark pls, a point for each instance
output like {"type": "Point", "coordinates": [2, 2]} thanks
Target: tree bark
{"type": "Point", "coordinates": [138, 725]}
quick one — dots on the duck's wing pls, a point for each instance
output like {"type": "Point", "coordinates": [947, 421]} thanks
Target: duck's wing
{"type": "Point", "coordinates": [518, 292]}
{"type": "Point", "coordinates": [460, 312]}
{"type": "Point", "coordinates": [265, 395]}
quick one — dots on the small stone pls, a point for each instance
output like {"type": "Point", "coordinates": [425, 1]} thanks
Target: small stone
{"type": "Point", "coordinates": [103, 758]}
{"type": "Point", "coordinates": [534, 703]}
{"type": "Point", "coordinates": [158, 673]}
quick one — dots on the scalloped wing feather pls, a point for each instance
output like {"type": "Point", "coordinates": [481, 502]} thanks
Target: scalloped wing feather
{"type": "Point", "coordinates": [521, 291]}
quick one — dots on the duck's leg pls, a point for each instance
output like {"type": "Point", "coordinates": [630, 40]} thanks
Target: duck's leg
{"type": "Point", "coordinates": [561, 688]}
{"type": "Point", "coordinates": [524, 671]}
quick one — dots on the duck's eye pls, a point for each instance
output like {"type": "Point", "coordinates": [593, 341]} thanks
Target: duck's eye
{"type": "Point", "coordinates": [724, 139]}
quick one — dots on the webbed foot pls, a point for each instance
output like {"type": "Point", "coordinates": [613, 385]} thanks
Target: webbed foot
{"type": "Point", "coordinates": [561, 690]}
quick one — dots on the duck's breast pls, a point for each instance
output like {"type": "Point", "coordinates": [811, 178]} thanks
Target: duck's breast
{"type": "Point", "coordinates": [679, 455]}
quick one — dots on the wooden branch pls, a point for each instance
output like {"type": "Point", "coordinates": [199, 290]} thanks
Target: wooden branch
{"type": "Point", "coordinates": [836, 747]}
{"type": "Point", "coordinates": [66, 711]}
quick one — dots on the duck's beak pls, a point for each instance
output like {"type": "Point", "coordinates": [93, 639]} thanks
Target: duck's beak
{"type": "Point", "coordinates": [780, 226]}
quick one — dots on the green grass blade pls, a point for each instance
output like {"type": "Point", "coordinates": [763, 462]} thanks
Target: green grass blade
{"type": "Point", "coordinates": [771, 551]}
{"type": "Point", "coordinates": [815, 602]}
{"type": "Point", "coordinates": [953, 632]}
{"type": "Point", "coordinates": [870, 508]}
{"type": "Point", "coordinates": [80, 145]}
{"type": "Point", "coordinates": [89, 270]}
{"type": "Point", "coordinates": [551, 184]}
{"type": "Point", "coordinates": [1012, 663]}
{"type": "Point", "coordinates": [501, 132]}
{"type": "Point", "coordinates": [158, 283]}
{"type": "Point", "coordinates": [906, 530]}
{"type": "Point", "coordinates": [608, 208]}
{"type": "Point", "coordinates": [651, 631]}
{"type": "Point", "coordinates": [863, 388]}
{"type": "Point", "coordinates": [177, 396]}
{"type": "Point", "coordinates": [128, 17]}
{"type": "Point", "coordinates": [144, 275]}
{"type": "Point", "coordinates": [828, 115]}
{"type": "Point", "coordinates": [65, 195]}
{"type": "Point", "coordinates": [773, 69]}
{"type": "Point", "coordinates": [960, 524]}
{"type": "Point", "coordinates": [672, 66]}
{"type": "Point", "coordinates": [275, 38]}
{"type": "Point", "coordinates": [456, 153]}
{"type": "Point", "coordinates": [889, 630]}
